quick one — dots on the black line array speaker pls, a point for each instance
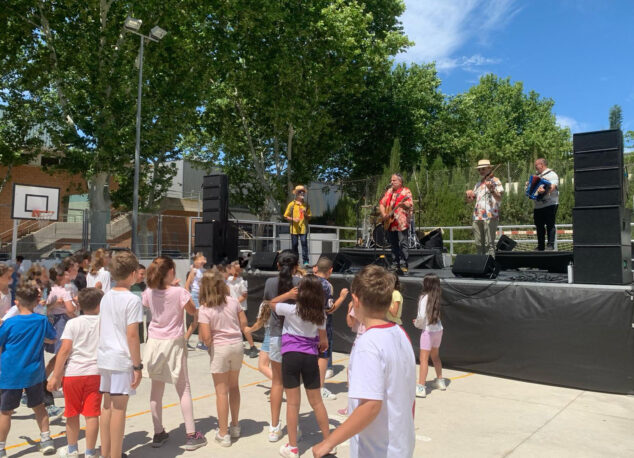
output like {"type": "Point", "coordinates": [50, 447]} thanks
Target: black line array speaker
{"type": "Point", "coordinates": [606, 225]}
{"type": "Point", "coordinates": [474, 265]}
{"type": "Point", "coordinates": [599, 171]}
{"type": "Point", "coordinates": [602, 247]}
{"type": "Point", "coordinates": [217, 241]}
{"type": "Point", "coordinates": [215, 198]}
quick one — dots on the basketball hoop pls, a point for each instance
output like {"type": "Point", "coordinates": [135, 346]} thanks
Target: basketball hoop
{"type": "Point", "coordinates": [42, 214]}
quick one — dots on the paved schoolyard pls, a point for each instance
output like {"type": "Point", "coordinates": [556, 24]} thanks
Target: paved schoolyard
{"type": "Point", "coordinates": [477, 416]}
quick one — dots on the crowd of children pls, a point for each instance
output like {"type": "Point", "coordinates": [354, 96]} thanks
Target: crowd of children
{"type": "Point", "coordinates": [61, 310]}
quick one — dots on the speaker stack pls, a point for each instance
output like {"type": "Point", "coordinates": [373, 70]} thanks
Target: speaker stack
{"type": "Point", "coordinates": [216, 237]}
{"type": "Point", "coordinates": [601, 240]}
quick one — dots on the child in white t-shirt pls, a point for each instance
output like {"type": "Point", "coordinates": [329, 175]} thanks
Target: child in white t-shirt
{"type": "Point", "coordinates": [119, 351]}
{"type": "Point", "coordinates": [381, 423]}
{"type": "Point", "coordinates": [303, 339]}
{"type": "Point", "coordinates": [81, 378]}
{"type": "Point", "coordinates": [239, 289]}
{"type": "Point", "coordinates": [428, 320]}
{"type": "Point", "coordinates": [98, 276]}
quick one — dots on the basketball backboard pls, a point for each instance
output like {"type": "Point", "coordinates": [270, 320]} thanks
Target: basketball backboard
{"type": "Point", "coordinates": [35, 202]}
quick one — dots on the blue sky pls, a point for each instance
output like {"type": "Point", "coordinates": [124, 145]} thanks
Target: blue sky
{"type": "Point", "coordinates": [577, 52]}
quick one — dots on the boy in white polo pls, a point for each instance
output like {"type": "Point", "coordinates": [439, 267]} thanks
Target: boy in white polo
{"type": "Point", "coordinates": [382, 420]}
{"type": "Point", "coordinates": [119, 351]}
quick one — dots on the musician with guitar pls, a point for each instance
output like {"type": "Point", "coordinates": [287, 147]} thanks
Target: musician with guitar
{"type": "Point", "coordinates": [396, 206]}
{"type": "Point", "coordinates": [487, 194]}
{"type": "Point", "coordinates": [546, 205]}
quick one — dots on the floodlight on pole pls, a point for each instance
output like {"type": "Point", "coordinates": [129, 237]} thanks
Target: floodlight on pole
{"type": "Point", "coordinates": [157, 32]}
{"type": "Point", "coordinates": [133, 25]}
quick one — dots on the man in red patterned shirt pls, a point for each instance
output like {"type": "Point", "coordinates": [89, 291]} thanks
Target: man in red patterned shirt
{"type": "Point", "coordinates": [397, 205]}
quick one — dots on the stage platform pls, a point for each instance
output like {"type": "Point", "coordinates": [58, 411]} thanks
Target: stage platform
{"type": "Point", "coordinates": [578, 336]}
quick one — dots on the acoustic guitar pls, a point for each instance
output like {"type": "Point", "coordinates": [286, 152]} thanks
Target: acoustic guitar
{"type": "Point", "coordinates": [389, 214]}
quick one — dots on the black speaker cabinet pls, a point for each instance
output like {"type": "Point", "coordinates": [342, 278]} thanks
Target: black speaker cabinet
{"type": "Point", "coordinates": [599, 178]}
{"type": "Point", "coordinates": [603, 265]}
{"type": "Point", "coordinates": [589, 142]}
{"type": "Point", "coordinates": [215, 198]}
{"type": "Point", "coordinates": [505, 243]}
{"type": "Point", "coordinates": [474, 265]}
{"type": "Point", "coordinates": [217, 241]}
{"type": "Point", "coordinates": [607, 225]}
{"type": "Point", "coordinates": [263, 260]}
{"type": "Point", "coordinates": [600, 196]}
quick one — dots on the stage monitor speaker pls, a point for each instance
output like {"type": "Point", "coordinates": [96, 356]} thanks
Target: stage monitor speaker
{"type": "Point", "coordinates": [217, 241]}
{"type": "Point", "coordinates": [432, 239]}
{"type": "Point", "coordinates": [505, 243]}
{"type": "Point", "coordinates": [607, 225]}
{"type": "Point", "coordinates": [215, 198]}
{"type": "Point", "coordinates": [474, 265]}
{"type": "Point", "coordinates": [603, 265]}
{"type": "Point", "coordinates": [263, 260]}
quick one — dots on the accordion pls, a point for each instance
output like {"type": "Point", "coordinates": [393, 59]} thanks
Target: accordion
{"type": "Point", "coordinates": [534, 182]}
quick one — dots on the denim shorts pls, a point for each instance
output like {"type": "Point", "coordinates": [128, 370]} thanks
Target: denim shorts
{"type": "Point", "coordinates": [275, 349]}
{"type": "Point", "coordinates": [266, 342]}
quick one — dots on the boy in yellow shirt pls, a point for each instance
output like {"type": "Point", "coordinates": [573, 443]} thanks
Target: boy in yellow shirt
{"type": "Point", "coordinates": [298, 213]}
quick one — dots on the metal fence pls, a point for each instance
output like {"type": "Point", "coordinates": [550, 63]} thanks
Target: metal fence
{"type": "Point", "coordinates": [174, 235]}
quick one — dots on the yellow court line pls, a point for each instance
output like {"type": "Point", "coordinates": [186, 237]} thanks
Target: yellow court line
{"type": "Point", "coordinates": [55, 436]}
{"type": "Point", "coordinates": [462, 376]}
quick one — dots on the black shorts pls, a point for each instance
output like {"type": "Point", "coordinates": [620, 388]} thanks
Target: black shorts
{"type": "Point", "coordinates": [10, 398]}
{"type": "Point", "coordinates": [296, 365]}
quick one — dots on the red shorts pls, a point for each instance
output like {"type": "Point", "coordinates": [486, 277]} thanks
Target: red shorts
{"type": "Point", "coordinates": [82, 396]}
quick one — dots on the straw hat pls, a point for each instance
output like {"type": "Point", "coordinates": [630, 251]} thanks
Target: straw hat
{"type": "Point", "coordinates": [482, 163]}
{"type": "Point", "coordinates": [299, 188]}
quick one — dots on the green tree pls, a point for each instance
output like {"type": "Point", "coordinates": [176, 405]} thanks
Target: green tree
{"type": "Point", "coordinates": [273, 112]}
{"type": "Point", "coordinates": [76, 62]}
{"type": "Point", "coordinates": [616, 117]}
{"type": "Point", "coordinates": [403, 103]}
{"type": "Point", "coordinates": [496, 119]}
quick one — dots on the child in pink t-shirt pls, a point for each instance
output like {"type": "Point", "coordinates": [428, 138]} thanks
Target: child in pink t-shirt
{"type": "Point", "coordinates": [165, 354]}
{"type": "Point", "coordinates": [221, 321]}
{"type": "Point", "coordinates": [60, 307]}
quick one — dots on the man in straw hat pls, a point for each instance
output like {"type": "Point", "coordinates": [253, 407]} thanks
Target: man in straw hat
{"type": "Point", "coordinates": [298, 213]}
{"type": "Point", "coordinates": [487, 194]}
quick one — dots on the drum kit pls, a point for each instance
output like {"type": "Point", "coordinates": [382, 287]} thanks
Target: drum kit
{"type": "Point", "coordinates": [375, 236]}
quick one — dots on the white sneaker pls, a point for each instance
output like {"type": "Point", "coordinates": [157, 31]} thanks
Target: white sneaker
{"type": "Point", "coordinates": [326, 394]}
{"type": "Point", "coordinates": [224, 441]}
{"type": "Point", "coordinates": [289, 452]}
{"type": "Point", "coordinates": [329, 373]}
{"type": "Point", "coordinates": [440, 384]}
{"type": "Point", "coordinates": [63, 453]}
{"type": "Point", "coordinates": [420, 391]}
{"type": "Point", "coordinates": [234, 431]}
{"type": "Point", "coordinates": [276, 433]}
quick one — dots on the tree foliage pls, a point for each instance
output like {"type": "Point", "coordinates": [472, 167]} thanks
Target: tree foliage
{"type": "Point", "coordinates": [496, 119]}
{"type": "Point", "coordinates": [616, 117]}
{"type": "Point", "coordinates": [284, 69]}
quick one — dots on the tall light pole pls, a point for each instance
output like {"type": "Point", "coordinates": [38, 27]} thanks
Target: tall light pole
{"type": "Point", "coordinates": [133, 26]}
